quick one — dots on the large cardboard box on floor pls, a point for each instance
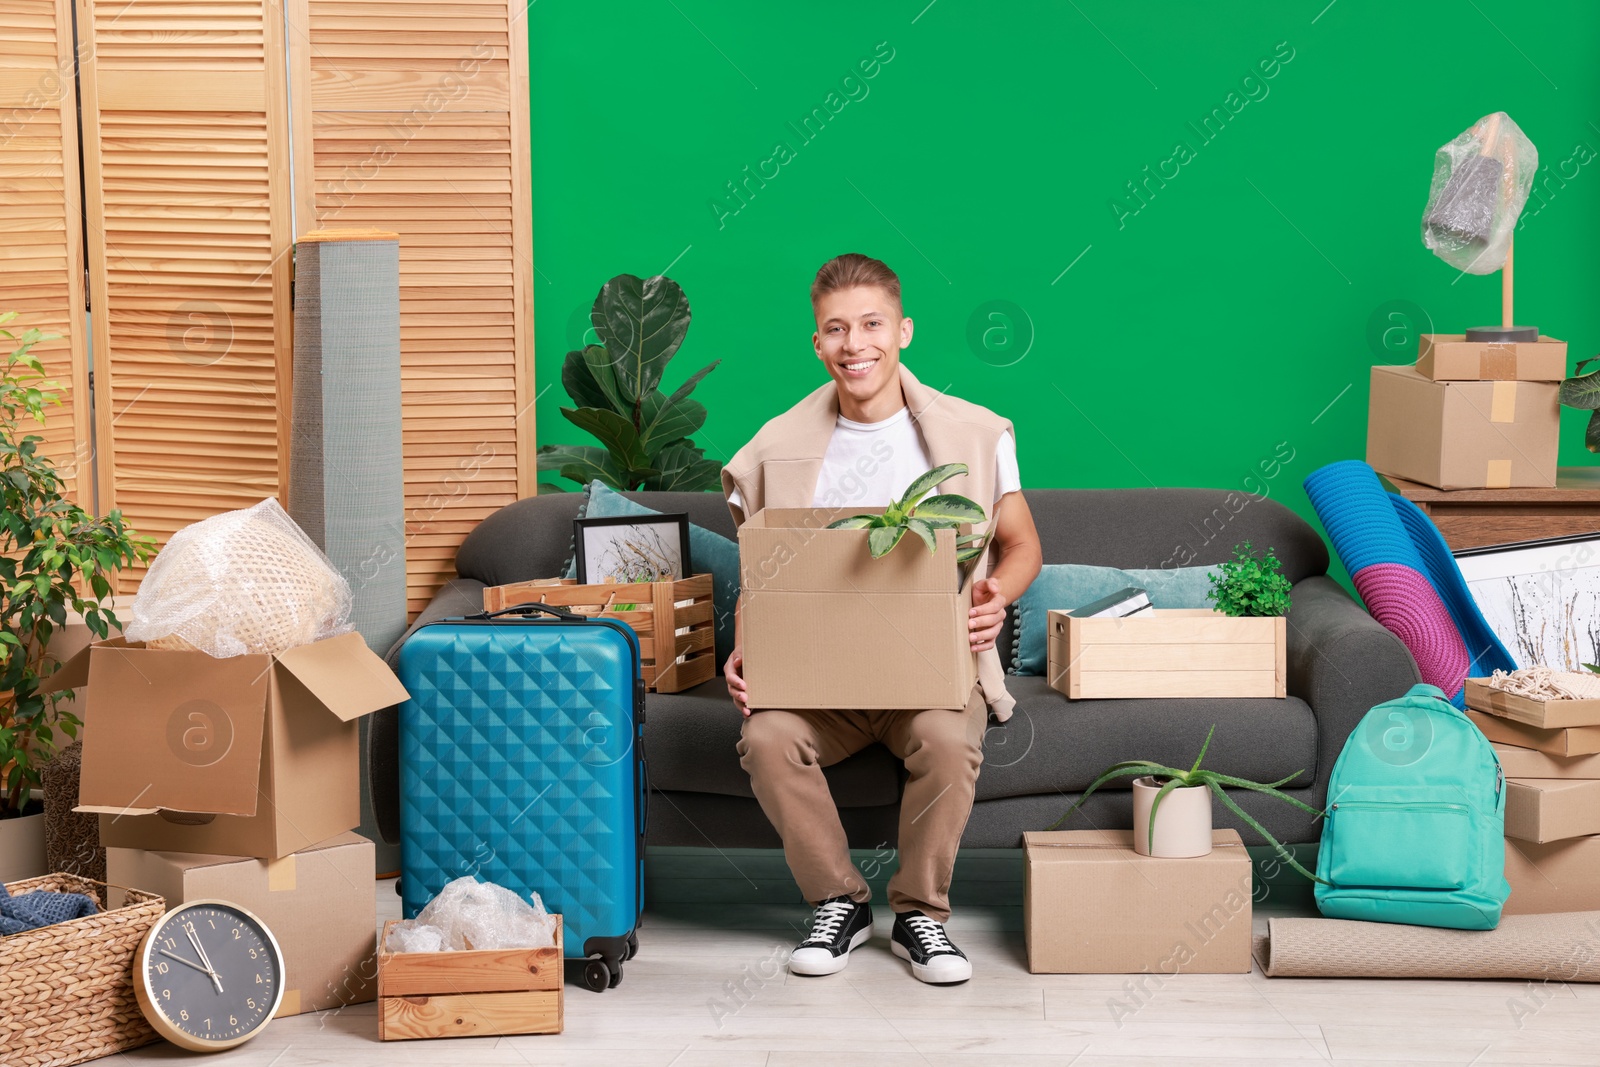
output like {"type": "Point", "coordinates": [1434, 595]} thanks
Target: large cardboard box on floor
{"type": "Point", "coordinates": [1552, 809]}
{"type": "Point", "coordinates": [320, 904]}
{"type": "Point", "coordinates": [1557, 876]}
{"type": "Point", "coordinates": [1451, 357]}
{"type": "Point", "coordinates": [1463, 435]}
{"type": "Point", "coordinates": [246, 756]}
{"type": "Point", "coordinates": [1091, 905]}
{"type": "Point", "coordinates": [824, 625]}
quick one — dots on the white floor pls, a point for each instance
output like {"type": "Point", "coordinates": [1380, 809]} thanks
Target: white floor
{"type": "Point", "coordinates": [719, 921]}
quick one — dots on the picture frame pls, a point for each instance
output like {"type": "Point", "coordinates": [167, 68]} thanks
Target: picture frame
{"type": "Point", "coordinates": [632, 548]}
{"type": "Point", "coordinates": [1540, 597]}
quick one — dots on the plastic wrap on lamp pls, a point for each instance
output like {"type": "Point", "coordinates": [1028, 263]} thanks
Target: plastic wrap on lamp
{"type": "Point", "coordinates": [1481, 180]}
{"type": "Point", "coordinates": [346, 482]}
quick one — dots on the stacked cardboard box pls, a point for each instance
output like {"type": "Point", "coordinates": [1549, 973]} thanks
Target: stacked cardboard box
{"type": "Point", "coordinates": [1549, 751]}
{"type": "Point", "coordinates": [1469, 415]}
{"type": "Point", "coordinates": [237, 779]}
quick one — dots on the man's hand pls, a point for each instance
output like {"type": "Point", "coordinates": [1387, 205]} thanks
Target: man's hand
{"type": "Point", "coordinates": [988, 614]}
{"type": "Point", "coordinates": [732, 673]}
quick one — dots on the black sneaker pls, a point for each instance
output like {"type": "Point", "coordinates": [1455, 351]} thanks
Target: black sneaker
{"type": "Point", "coordinates": [838, 925]}
{"type": "Point", "coordinates": [923, 942]}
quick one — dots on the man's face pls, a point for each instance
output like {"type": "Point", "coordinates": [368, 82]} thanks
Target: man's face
{"type": "Point", "coordinates": [860, 333]}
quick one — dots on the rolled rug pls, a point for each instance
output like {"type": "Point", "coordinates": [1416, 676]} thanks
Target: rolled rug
{"type": "Point", "coordinates": [1406, 576]}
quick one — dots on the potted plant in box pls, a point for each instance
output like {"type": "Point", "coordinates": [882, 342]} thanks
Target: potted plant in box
{"type": "Point", "coordinates": [912, 513]}
{"type": "Point", "coordinates": [55, 557]}
{"type": "Point", "coordinates": [1172, 807]}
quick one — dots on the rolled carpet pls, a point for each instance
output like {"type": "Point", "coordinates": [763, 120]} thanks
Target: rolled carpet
{"type": "Point", "coordinates": [1563, 947]}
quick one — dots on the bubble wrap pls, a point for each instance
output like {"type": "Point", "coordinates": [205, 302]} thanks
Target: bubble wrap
{"type": "Point", "coordinates": [243, 582]}
{"type": "Point", "coordinates": [1480, 184]}
{"type": "Point", "coordinates": [469, 914]}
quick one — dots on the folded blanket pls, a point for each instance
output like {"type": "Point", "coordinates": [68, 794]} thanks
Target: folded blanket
{"type": "Point", "coordinates": [42, 907]}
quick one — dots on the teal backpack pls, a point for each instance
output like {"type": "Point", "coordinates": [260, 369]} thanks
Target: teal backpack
{"type": "Point", "coordinates": [1416, 820]}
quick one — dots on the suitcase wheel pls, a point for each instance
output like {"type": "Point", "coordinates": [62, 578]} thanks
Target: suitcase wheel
{"type": "Point", "coordinates": [598, 977]}
{"type": "Point", "coordinates": [633, 945]}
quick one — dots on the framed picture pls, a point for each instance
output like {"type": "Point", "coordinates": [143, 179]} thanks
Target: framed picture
{"type": "Point", "coordinates": [1541, 598]}
{"type": "Point", "coordinates": [633, 548]}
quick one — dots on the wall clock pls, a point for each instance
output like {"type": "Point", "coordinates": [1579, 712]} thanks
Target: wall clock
{"type": "Point", "coordinates": [209, 975]}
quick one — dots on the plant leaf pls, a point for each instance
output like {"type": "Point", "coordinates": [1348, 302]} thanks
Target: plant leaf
{"type": "Point", "coordinates": [579, 381]}
{"type": "Point", "coordinates": [615, 431]}
{"type": "Point", "coordinates": [1203, 748]}
{"type": "Point", "coordinates": [665, 420]}
{"type": "Point", "coordinates": [681, 467]}
{"type": "Point", "coordinates": [1167, 787]}
{"type": "Point", "coordinates": [882, 539]}
{"type": "Point", "coordinates": [921, 528]}
{"type": "Point", "coordinates": [583, 464]}
{"type": "Point", "coordinates": [642, 322]}
{"type": "Point", "coordinates": [1582, 390]}
{"type": "Point", "coordinates": [1283, 853]}
{"type": "Point", "coordinates": [602, 371]}
{"type": "Point", "coordinates": [949, 508]}
{"type": "Point", "coordinates": [1591, 433]}
{"type": "Point", "coordinates": [854, 522]}
{"type": "Point", "coordinates": [925, 484]}
{"type": "Point", "coordinates": [693, 380]}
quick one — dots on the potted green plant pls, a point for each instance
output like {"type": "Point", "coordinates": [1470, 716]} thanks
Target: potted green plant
{"type": "Point", "coordinates": [1582, 391]}
{"type": "Point", "coordinates": [644, 434]}
{"type": "Point", "coordinates": [55, 558]}
{"type": "Point", "coordinates": [912, 513]}
{"type": "Point", "coordinates": [1250, 585]}
{"type": "Point", "coordinates": [1172, 807]}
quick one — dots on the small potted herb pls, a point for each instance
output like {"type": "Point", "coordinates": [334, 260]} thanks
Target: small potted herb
{"type": "Point", "coordinates": [921, 516]}
{"type": "Point", "coordinates": [1250, 585]}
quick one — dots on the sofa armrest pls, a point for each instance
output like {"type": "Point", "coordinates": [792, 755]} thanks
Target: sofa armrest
{"type": "Point", "coordinates": [459, 596]}
{"type": "Point", "coordinates": [1342, 662]}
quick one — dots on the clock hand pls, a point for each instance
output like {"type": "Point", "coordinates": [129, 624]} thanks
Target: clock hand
{"type": "Point", "coordinates": [201, 952]}
{"type": "Point", "coordinates": [185, 962]}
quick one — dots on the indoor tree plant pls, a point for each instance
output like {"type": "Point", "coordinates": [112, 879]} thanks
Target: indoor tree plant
{"type": "Point", "coordinates": [921, 516]}
{"type": "Point", "coordinates": [645, 433]}
{"type": "Point", "coordinates": [55, 557]}
{"type": "Point", "coordinates": [1190, 792]}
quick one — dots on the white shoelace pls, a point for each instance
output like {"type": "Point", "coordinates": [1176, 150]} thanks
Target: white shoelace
{"type": "Point", "coordinates": [825, 924]}
{"type": "Point", "coordinates": [931, 933]}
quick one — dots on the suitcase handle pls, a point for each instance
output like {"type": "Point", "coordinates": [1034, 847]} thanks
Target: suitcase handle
{"type": "Point", "coordinates": [528, 608]}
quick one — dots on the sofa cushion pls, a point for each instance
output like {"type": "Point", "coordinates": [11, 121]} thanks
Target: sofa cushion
{"type": "Point", "coordinates": [1052, 744]}
{"type": "Point", "coordinates": [1064, 586]}
{"type": "Point", "coordinates": [690, 739]}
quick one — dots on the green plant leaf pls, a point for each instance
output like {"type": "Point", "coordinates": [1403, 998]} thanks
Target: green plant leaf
{"type": "Point", "coordinates": [921, 528]}
{"type": "Point", "coordinates": [642, 322]}
{"type": "Point", "coordinates": [1168, 786]}
{"type": "Point", "coordinates": [681, 467]}
{"type": "Point", "coordinates": [1582, 390]}
{"type": "Point", "coordinates": [949, 509]}
{"type": "Point", "coordinates": [579, 381]}
{"type": "Point", "coordinates": [614, 431]}
{"type": "Point", "coordinates": [583, 464]}
{"type": "Point", "coordinates": [1203, 748]}
{"type": "Point", "coordinates": [854, 522]}
{"type": "Point", "coordinates": [1591, 433]}
{"type": "Point", "coordinates": [603, 372]}
{"type": "Point", "coordinates": [1283, 853]}
{"type": "Point", "coordinates": [925, 484]}
{"type": "Point", "coordinates": [882, 539]}
{"type": "Point", "coordinates": [693, 380]}
{"type": "Point", "coordinates": [664, 420]}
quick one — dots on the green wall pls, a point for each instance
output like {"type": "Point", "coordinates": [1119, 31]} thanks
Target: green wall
{"type": "Point", "coordinates": [1238, 307]}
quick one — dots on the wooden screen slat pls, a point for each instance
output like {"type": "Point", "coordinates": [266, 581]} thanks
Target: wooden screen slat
{"type": "Point", "coordinates": [41, 224]}
{"type": "Point", "coordinates": [186, 164]}
{"type": "Point", "coordinates": [419, 125]}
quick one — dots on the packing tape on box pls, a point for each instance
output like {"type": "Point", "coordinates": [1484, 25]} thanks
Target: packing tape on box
{"type": "Point", "coordinates": [1114, 845]}
{"type": "Point", "coordinates": [281, 875]}
{"type": "Point", "coordinates": [1497, 474]}
{"type": "Point", "coordinates": [290, 1005]}
{"type": "Point", "coordinates": [1503, 405]}
{"type": "Point", "coordinates": [1498, 362]}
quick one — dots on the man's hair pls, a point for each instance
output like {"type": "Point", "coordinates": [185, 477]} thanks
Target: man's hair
{"type": "Point", "coordinates": [854, 270]}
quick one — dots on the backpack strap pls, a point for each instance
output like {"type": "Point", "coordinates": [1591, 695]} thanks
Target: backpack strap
{"type": "Point", "coordinates": [1423, 689]}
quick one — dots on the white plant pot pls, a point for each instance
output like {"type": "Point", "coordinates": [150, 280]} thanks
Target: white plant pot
{"type": "Point", "coordinates": [1183, 822]}
{"type": "Point", "coordinates": [22, 848]}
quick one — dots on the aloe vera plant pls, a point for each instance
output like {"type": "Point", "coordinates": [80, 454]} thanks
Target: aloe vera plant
{"type": "Point", "coordinates": [1171, 778]}
{"type": "Point", "coordinates": [922, 517]}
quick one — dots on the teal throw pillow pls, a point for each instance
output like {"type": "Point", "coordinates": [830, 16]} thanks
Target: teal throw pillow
{"type": "Point", "coordinates": [1064, 586]}
{"type": "Point", "coordinates": [710, 552]}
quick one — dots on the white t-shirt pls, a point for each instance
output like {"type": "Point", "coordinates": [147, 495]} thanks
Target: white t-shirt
{"type": "Point", "coordinates": [869, 464]}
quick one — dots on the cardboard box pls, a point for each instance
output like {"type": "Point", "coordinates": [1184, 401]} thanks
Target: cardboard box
{"type": "Point", "coordinates": [477, 993]}
{"type": "Point", "coordinates": [320, 904]}
{"type": "Point", "coordinates": [1180, 652]}
{"type": "Point", "coordinates": [1091, 905]}
{"type": "Point", "coordinates": [1545, 714]}
{"type": "Point", "coordinates": [1517, 762]}
{"type": "Point", "coordinates": [1552, 809]}
{"type": "Point", "coordinates": [1463, 435]}
{"type": "Point", "coordinates": [246, 756]}
{"type": "Point", "coordinates": [1559, 876]}
{"type": "Point", "coordinates": [1451, 357]}
{"type": "Point", "coordinates": [1572, 741]}
{"type": "Point", "coordinates": [827, 626]}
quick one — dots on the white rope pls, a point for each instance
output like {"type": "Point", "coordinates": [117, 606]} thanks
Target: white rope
{"type": "Point", "coordinates": [1547, 683]}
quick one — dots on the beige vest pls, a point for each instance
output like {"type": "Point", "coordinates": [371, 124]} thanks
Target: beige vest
{"type": "Point", "coordinates": [780, 467]}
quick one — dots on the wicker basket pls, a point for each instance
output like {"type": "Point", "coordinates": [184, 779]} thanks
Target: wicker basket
{"type": "Point", "coordinates": [66, 991]}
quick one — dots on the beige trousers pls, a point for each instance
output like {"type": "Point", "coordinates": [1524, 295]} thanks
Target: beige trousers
{"type": "Point", "coordinates": [784, 753]}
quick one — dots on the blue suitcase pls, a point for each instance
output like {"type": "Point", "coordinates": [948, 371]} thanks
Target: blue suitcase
{"type": "Point", "coordinates": [521, 763]}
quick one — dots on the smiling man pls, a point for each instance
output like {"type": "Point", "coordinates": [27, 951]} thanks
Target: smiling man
{"type": "Point", "coordinates": [858, 441]}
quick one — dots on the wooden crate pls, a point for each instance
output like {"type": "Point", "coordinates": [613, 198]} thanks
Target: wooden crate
{"type": "Point", "coordinates": [1167, 653]}
{"type": "Point", "coordinates": [468, 994]}
{"type": "Point", "coordinates": [693, 652]}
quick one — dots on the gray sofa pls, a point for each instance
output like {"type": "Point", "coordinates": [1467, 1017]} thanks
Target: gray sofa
{"type": "Point", "coordinates": [1340, 663]}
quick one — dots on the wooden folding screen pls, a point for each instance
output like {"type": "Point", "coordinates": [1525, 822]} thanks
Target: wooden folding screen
{"type": "Point", "coordinates": [419, 125]}
{"type": "Point", "coordinates": [41, 232]}
{"type": "Point", "coordinates": [186, 164]}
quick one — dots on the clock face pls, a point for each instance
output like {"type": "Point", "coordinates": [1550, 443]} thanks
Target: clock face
{"type": "Point", "coordinates": [212, 973]}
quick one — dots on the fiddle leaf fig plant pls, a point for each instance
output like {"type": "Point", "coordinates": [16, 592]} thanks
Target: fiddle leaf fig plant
{"type": "Point", "coordinates": [55, 557]}
{"type": "Point", "coordinates": [912, 513]}
{"type": "Point", "coordinates": [1171, 778]}
{"type": "Point", "coordinates": [1582, 391]}
{"type": "Point", "coordinates": [644, 434]}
